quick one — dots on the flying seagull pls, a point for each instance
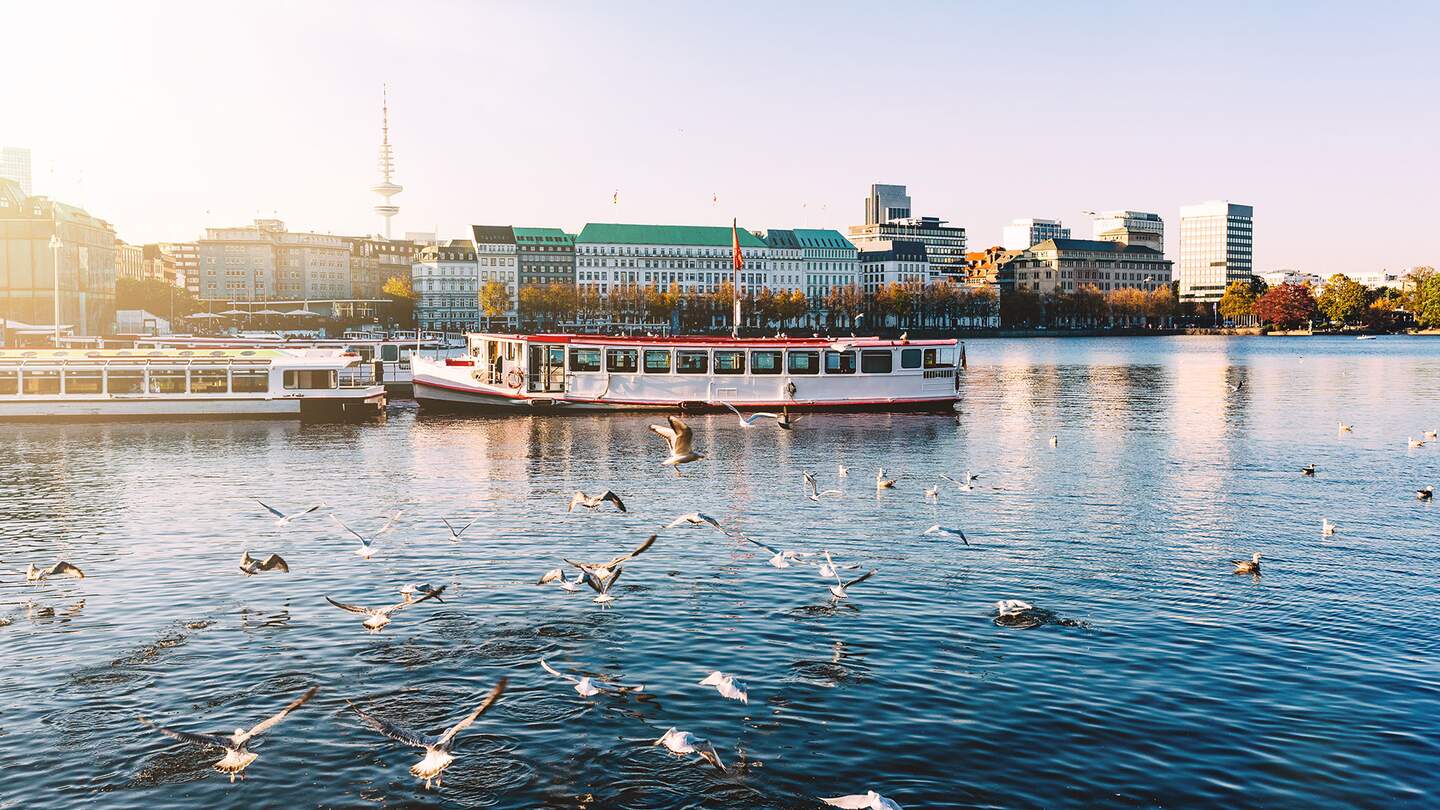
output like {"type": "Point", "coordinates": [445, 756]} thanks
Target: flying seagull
{"type": "Point", "coordinates": [840, 589]}
{"type": "Point", "coordinates": [454, 532]}
{"type": "Point", "coordinates": [869, 800]}
{"type": "Point", "coordinates": [585, 685]}
{"type": "Point", "coordinates": [437, 747]}
{"type": "Point", "coordinates": [727, 686]}
{"type": "Point", "coordinates": [571, 585]}
{"type": "Point", "coordinates": [681, 743]}
{"type": "Point", "coordinates": [606, 570]}
{"type": "Point", "coordinates": [408, 592]}
{"type": "Point", "coordinates": [780, 558]}
{"type": "Point", "coordinates": [602, 586]}
{"type": "Point", "coordinates": [812, 489]}
{"type": "Point", "coordinates": [59, 569]}
{"type": "Point", "coordinates": [283, 519]}
{"type": "Point", "coordinates": [237, 756]}
{"type": "Point", "coordinates": [752, 419]}
{"type": "Point", "coordinates": [679, 437]}
{"type": "Point", "coordinates": [828, 568]}
{"type": "Point", "coordinates": [379, 617]}
{"type": "Point", "coordinates": [367, 544]}
{"type": "Point", "coordinates": [1235, 389]}
{"type": "Point", "coordinates": [593, 501]}
{"type": "Point", "coordinates": [251, 565]}
{"type": "Point", "coordinates": [938, 529]}
{"type": "Point", "coordinates": [695, 519]}
{"type": "Point", "coordinates": [1250, 566]}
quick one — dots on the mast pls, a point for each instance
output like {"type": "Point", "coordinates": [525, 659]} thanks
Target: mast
{"type": "Point", "coordinates": [738, 260]}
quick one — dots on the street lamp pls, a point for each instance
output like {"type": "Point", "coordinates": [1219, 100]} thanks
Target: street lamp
{"type": "Point", "coordinates": [55, 245]}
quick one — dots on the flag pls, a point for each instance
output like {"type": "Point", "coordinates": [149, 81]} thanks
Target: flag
{"type": "Point", "coordinates": [615, 198]}
{"type": "Point", "coordinates": [738, 258]}
{"type": "Point", "coordinates": [714, 198]}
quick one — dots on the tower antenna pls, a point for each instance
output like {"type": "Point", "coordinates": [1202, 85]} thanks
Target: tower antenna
{"type": "Point", "coordinates": [387, 187]}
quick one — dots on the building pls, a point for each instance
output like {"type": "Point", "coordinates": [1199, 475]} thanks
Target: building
{"type": "Point", "coordinates": [28, 277]}
{"type": "Point", "coordinates": [446, 279]}
{"type": "Point", "coordinates": [695, 258]}
{"type": "Point", "coordinates": [386, 187]}
{"type": "Point", "coordinates": [944, 245]}
{"type": "Point", "coordinates": [896, 262]}
{"type": "Point", "coordinates": [547, 256]}
{"type": "Point", "coordinates": [264, 261]}
{"type": "Point", "coordinates": [830, 261]}
{"type": "Point", "coordinates": [983, 268]}
{"type": "Point", "coordinates": [787, 259]}
{"type": "Point", "coordinates": [1130, 228]}
{"type": "Point", "coordinates": [498, 259]}
{"type": "Point", "coordinates": [886, 203]}
{"type": "Point", "coordinates": [1022, 234]}
{"type": "Point", "coordinates": [186, 256]}
{"type": "Point", "coordinates": [129, 261]}
{"type": "Point", "coordinates": [1216, 247]}
{"type": "Point", "coordinates": [1275, 278]}
{"type": "Point", "coordinates": [1065, 265]}
{"type": "Point", "coordinates": [374, 260]}
{"type": "Point", "coordinates": [159, 264]}
{"type": "Point", "coordinates": [15, 165]}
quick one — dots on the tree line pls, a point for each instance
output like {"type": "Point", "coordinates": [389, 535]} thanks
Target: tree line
{"type": "Point", "coordinates": [1342, 303]}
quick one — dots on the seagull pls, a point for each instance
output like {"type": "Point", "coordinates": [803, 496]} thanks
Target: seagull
{"type": "Point", "coordinates": [828, 568]}
{"type": "Point", "coordinates": [379, 617]}
{"type": "Point", "coordinates": [1250, 566]}
{"type": "Point", "coordinates": [437, 747]}
{"type": "Point", "coordinates": [752, 419]}
{"type": "Point", "coordinates": [681, 743]}
{"type": "Point", "coordinates": [1326, 527]}
{"type": "Point", "coordinates": [593, 501]}
{"type": "Point", "coordinates": [283, 519]}
{"type": "Point", "coordinates": [1414, 442]}
{"type": "Point", "coordinates": [251, 565]}
{"type": "Point", "coordinates": [695, 519]}
{"type": "Point", "coordinates": [1011, 607]}
{"type": "Point", "coordinates": [602, 586]}
{"type": "Point", "coordinates": [679, 437]}
{"type": "Point", "coordinates": [408, 591]}
{"type": "Point", "coordinates": [454, 532]}
{"type": "Point", "coordinates": [1344, 428]}
{"type": "Point", "coordinates": [938, 529]}
{"type": "Point", "coordinates": [812, 489]}
{"type": "Point", "coordinates": [367, 544]}
{"type": "Point", "coordinates": [1054, 441]}
{"type": "Point", "coordinates": [585, 685]}
{"type": "Point", "coordinates": [1235, 389]}
{"type": "Point", "coordinates": [1432, 435]}
{"type": "Point", "coordinates": [841, 470]}
{"type": "Point", "coordinates": [1425, 494]}
{"type": "Point", "coordinates": [781, 558]}
{"type": "Point", "coordinates": [237, 756]}
{"type": "Point", "coordinates": [881, 482]}
{"type": "Point", "coordinates": [727, 686]}
{"type": "Point", "coordinates": [1308, 470]}
{"type": "Point", "coordinates": [869, 800]}
{"type": "Point", "coordinates": [963, 486]}
{"type": "Point", "coordinates": [933, 493]}
{"type": "Point", "coordinates": [840, 589]}
{"type": "Point", "coordinates": [571, 585]}
{"type": "Point", "coordinates": [607, 570]}
{"type": "Point", "coordinates": [59, 569]}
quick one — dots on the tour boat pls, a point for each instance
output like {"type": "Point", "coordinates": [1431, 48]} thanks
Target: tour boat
{"type": "Point", "coordinates": [116, 383]}
{"type": "Point", "coordinates": [596, 373]}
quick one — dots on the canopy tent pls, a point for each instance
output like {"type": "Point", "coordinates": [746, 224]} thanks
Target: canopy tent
{"type": "Point", "coordinates": [235, 312]}
{"type": "Point", "coordinates": [301, 312]}
{"type": "Point", "coordinates": [204, 315]}
{"type": "Point", "coordinates": [267, 312]}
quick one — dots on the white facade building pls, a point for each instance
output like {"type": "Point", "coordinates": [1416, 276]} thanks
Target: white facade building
{"type": "Point", "coordinates": [695, 258]}
{"type": "Point", "coordinates": [892, 262]}
{"type": "Point", "coordinates": [1216, 247]}
{"type": "Point", "coordinates": [1023, 234]}
{"type": "Point", "coordinates": [1131, 228]}
{"type": "Point", "coordinates": [446, 280]}
{"type": "Point", "coordinates": [265, 261]}
{"type": "Point", "coordinates": [830, 261]}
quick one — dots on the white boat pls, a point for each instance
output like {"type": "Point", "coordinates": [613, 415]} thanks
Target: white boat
{"type": "Point", "coordinates": [384, 359]}
{"type": "Point", "coordinates": [125, 383]}
{"type": "Point", "coordinates": [596, 373]}
{"type": "Point", "coordinates": [1365, 337]}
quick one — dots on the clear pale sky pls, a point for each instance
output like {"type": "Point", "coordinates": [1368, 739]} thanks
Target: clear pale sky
{"type": "Point", "coordinates": [167, 117]}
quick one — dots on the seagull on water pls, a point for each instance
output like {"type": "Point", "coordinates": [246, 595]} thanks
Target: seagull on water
{"type": "Point", "coordinates": [727, 686]}
{"type": "Point", "coordinates": [933, 493]}
{"type": "Point", "coordinates": [751, 420]}
{"type": "Point", "coordinates": [1250, 566]}
{"type": "Point", "coordinates": [607, 570]}
{"type": "Point", "coordinates": [1054, 441]}
{"type": "Point", "coordinates": [251, 565]}
{"type": "Point", "coordinates": [237, 756]}
{"type": "Point", "coordinates": [812, 489]}
{"type": "Point", "coordinates": [1414, 442]}
{"type": "Point", "coordinates": [1308, 470]}
{"type": "Point", "coordinates": [1425, 494]}
{"type": "Point", "coordinates": [681, 743]}
{"type": "Point", "coordinates": [1326, 527]}
{"type": "Point", "coordinates": [869, 800]}
{"type": "Point", "coordinates": [59, 569]}
{"type": "Point", "coordinates": [1432, 435]}
{"type": "Point", "coordinates": [585, 685]}
{"type": "Point", "coordinates": [554, 574]}
{"type": "Point", "coordinates": [881, 482]}
{"type": "Point", "coordinates": [1344, 428]}
{"type": "Point", "coordinates": [1011, 607]}
{"type": "Point", "coordinates": [964, 485]}
{"type": "Point", "coordinates": [367, 544]}
{"type": "Point", "coordinates": [781, 558]}
{"type": "Point", "coordinates": [593, 501]}
{"type": "Point", "coordinates": [942, 530]}
{"type": "Point", "coordinates": [679, 437]}
{"type": "Point", "coordinates": [454, 532]}
{"type": "Point", "coordinates": [695, 519]}
{"type": "Point", "coordinates": [437, 747]}
{"type": "Point", "coordinates": [283, 519]}
{"type": "Point", "coordinates": [379, 617]}
{"type": "Point", "coordinates": [841, 470]}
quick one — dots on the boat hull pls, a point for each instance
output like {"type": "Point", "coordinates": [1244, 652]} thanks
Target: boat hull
{"type": "Point", "coordinates": [189, 408]}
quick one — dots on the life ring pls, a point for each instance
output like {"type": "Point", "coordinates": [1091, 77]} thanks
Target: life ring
{"type": "Point", "coordinates": [515, 379]}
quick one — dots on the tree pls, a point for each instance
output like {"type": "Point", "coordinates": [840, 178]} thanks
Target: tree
{"type": "Point", "coordinates": [1238, 302]}
{"type": "Point", "coordinates": [156, 296]}
{"type": "Point", "coordinates": [1286, 306]}
{"type": "Point", "coordinates": [494, 300]}
{"type": "Point", "coordinates": [1344, 300]}
{"type": "Point", "coordinates": [401, 308]}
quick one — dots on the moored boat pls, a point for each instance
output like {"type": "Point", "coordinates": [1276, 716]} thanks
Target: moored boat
{"type": "Point", "coordinates": [599, 373]}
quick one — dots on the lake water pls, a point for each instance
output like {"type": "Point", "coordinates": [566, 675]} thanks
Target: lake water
{"type": "Point", "coordinates": [1176, 684]}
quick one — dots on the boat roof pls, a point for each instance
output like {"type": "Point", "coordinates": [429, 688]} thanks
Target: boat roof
{"type": "Point", "coordinates": [709, 341]}
{"type": "Point", "coordinates": [163, 355]}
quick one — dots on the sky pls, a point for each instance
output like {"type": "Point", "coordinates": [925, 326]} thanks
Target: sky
{"type": "Point", "coordinates": [166, 118]}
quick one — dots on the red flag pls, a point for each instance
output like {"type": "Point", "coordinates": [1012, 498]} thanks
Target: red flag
{"type": "Point", "coordinates": [738, 258]}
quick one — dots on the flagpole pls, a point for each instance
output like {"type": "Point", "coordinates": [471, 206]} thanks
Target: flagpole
{"type": "Point", "coordinates": [737, 261]}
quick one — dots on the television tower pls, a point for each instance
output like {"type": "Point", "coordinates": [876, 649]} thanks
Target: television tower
{"type": "Point", "coordinates": [386, 188]}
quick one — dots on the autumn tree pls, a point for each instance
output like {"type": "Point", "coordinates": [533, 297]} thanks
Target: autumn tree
{"type": "Point", "coordinates": [400, 307]}
{"type": "Point", "coordinates": [1344, 300]}
{"type": "Point", "coordinates": [1424, 298]}
{"type": "Point", "coordinates": [494, 299]}
{"type": "Point", "coordinates": [1238, 302]}
{"type": "Point", "coordinates": [1286, 306]}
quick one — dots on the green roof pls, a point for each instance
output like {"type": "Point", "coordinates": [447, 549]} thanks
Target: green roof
{"type": "Point", "coordinates": [686, 235]}
{"type": "Point", "coordinates": [542, 235]}
{"type": "Point", "coordinates": [822, 237]}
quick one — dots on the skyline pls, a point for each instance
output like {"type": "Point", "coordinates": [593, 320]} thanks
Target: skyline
{"type": "Point", "coordinates": [773, 113]}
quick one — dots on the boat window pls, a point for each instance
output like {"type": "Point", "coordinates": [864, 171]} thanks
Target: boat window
{"type": "Point", "coordinates": [125, 381]}
{"type": "Point", "coordinates": [84, 381]}
{"type": "Point", "coordinates": [939, 358]}
{"type": "Point", "coordinates": [247, 353]}
{"type": "Point", "coordinates": [839, 362]}
{"type": "Point", "coordinates": [877, 361]}
{"type": "Point", "coordinates": [42, 382]}
{"type": "Point", "coordinates": [217, 353]}
{"type": "Point", "coordinates": [803, 362]}
{"type": "Point", "coordinates": [309, 379]}
{"type": "Point", "coordinates": [167, 381]}
{"type": "Point", "coordinates": [584, 360]}
{"type": "Point", "coordinates": [689, 361]}
{"type": "Point", "coordinates": [909, 358]}
{"type": "Point", "coordinates": [766, 362]}
{"type": "Point", "coordinates": [390, 353]}
{"type": "Point", "coordinates": [248, 381]}
{"type": "Point", "coordinates": [622, 361]}
{"type": "Point", "coordinates": [209, 381]}
{"type": "Point", "coordinates": [9, 382]}
{"type": "Point", "coordinates": [657, 361]}
{"type": "Point", "coordinates": [728, 362]}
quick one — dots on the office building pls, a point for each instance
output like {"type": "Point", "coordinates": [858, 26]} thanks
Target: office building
{"type": "Point", "coordinates": [695, 258]}
{"type": "Point", "coordinates": [158, 264]}
{"type": "Point", "coordinates": [1065, 265]}
{"type": "Point", "coordinates": [374, 260]}
{"type": "Point", "coordinates": [446, 279]}
{"type": "Point", "coordinates": [1216, 247]}
{"type": "Point", "coordinates": [830, 261]}
{"type": "Point", "coordinates": [186, 256]}
{"type": "Point", "coordinates": [1022, 234]}
{"type": "Point", "coordinates": [787, 259]}
{"type": "Point", "coordinates": [129, 261]}
{"type": "Point", "coordinates": [547, 256]}
{"type": "Point", "coordinates": [28, 277]}
{"type": "Point", "coordinates": [944, 245]}
{"type": "Point", "coordinates": [1130, 228]}
{"type": "Point", "coordinates": [264, 261]}
{"type": "Point", "coordinates": [15, 165]}
{"type": "Point", "coordinates": [886, 203]}
{"type": "Point", "coordinates": [895, 262]}
{"type": "Point", "coordinates": [497, 259]}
